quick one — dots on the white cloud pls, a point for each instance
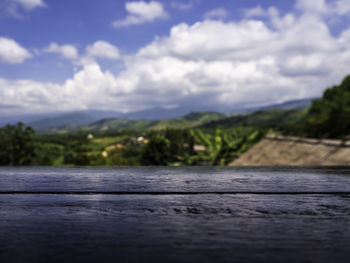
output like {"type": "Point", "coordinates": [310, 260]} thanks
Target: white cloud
{"type": "Point", "coordinates": [99, 49]}
{"type": "Point", "coordinates": [89, 87]}
{"type": "Point", "coordinates": [211, 40]}
{"type": "Point", "coordinates": [11, 52]}
{"type": "Point", "coordinates": [29, 95]}
{"type": "Point", "coordinates": [66, 51]}
{"type": "Point", "coordinates": [217, 13]}
{"type": "Point", "coordinates": [184, 5]}
{"type": "Point", "coordinates": [273, 16]}
{"type": "Point", "coordinates": [141, 12]}
{"type": "Point", "coordinates": [296, 59]}
{"type": "Point", "coordinates": [103, 49]}
{"type": "Point", "coordinates": [230, 64]}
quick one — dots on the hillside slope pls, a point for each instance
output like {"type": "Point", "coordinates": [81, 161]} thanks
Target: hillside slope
{"type": "Point", "coordinates": [190, 120]}
{"type": "Point", "coordinates": [74, 119]}
{"type": "Point", "coordinates": [328, 117]}
{"type": "Point", "coordinates": [273, 118]}
{"type": "Point", "coordinates": [295, 151]}
{"type": "Point", "coordinates": [118, 124]}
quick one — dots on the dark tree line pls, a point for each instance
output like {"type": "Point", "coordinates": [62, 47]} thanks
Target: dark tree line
{"type": "Point", "coordinates": [329, 117]}
{"type": "Point", "coordinates": [17, 145]}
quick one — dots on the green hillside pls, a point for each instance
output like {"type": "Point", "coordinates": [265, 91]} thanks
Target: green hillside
{"type": "Point", "coordinates": [67, 120]}
{"type": "Point", "coordinates": [188, 121]}
{"type": "Point", "coordinates": [329, 117]}
{"type": "Point", "coordinates": [275, 119]}
{"type": "Point", "coordinates": [118, 124]}
{"type": "Point", "coordinates": [266, 119]}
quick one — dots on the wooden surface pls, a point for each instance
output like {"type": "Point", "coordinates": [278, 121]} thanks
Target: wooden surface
{"type": "Point", "coordinates": [174, 215]}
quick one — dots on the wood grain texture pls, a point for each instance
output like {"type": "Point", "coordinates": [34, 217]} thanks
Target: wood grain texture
{"type": "Point", "coordinates": [202, 179]}
{"type": "Point", "coordinates": [201, 227]}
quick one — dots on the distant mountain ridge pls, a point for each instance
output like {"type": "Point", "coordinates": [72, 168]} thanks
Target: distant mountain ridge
{"type": "Point", "coordinates": [71, 119]}
{"type": "Point", "coordinates": [269, 118]}
{"type": "Point", "coordinates": [110, 124]}
{"type": "Point", "coordinates": [172, 117]}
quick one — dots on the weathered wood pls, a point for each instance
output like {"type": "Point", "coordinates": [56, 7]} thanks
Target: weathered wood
{"type": "Point", "coordinates": [176, 179]}
{"type": "Point", "coordinates": [281, 226]}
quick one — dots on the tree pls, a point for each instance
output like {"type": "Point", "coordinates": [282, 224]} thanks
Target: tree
{"type": "Point", "coordinates": [181, 142]}
{"type": "Point", "coordinates": [76, 151]}
{"type": "Point", "coordinates": [329, 116]}
{"type": "Point", "coordinates": [224, 147]}
{"type": "Point", "coordinates": [17, 145]}
{"type": "Point", "coordinates": [156, 152]}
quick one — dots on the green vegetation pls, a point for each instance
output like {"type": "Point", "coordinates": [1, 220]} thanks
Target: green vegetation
{"type": "Point", "coordinates": [264, 119]}
{"type": "Point", "coordinates": [118, 124]}
{"type": "Point", "coordinates": [329, 117]}
{"type": "Point", "coordinates": [190, 120]}
{"type": "Point", "coordinates": [17, 145]}
{"type": "Point", "coordinates": [225, 146]}
{"type": "Point", "coordinates": [126, 148]}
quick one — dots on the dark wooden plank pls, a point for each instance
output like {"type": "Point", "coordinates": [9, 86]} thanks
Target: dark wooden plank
{"type": "Point", "coordinates": [177, 228]}
{"type": "Point", "coordinates": [175, 179]}
{"type": "Point", "coordinates": [109, 215]}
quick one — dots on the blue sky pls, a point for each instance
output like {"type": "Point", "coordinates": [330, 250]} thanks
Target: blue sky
{"type": "Point", "coordinates": [132, 55]}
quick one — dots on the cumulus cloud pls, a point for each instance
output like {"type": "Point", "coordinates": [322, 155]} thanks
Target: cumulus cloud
{"type": "Point", "coordinates": [98, 50]}
{"type": "Point", "coordinates": [66, 51]}
{"type": "Point", "coordinates": [231, 64]}
{"type": "Point", "coordinates": [273, 16]}
{"type": "Point", "coordinates": [217, 13]}
{"type": "Point", "coordinates": [90, 87]}
{"type": "Point", "coordinates": [103, 49]}
{"type": "Point", "coordinates": [249, 59]}
{"type": "Point", "coordinates": [141, 12]}
{"type": "Point", "coordinates": [11, 52]}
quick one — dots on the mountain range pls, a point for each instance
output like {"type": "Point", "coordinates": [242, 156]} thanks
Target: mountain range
{"type": "Point", "coordinates": [158, 118]}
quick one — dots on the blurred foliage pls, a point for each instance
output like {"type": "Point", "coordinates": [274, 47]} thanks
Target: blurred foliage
{"type": "Point", "coordinates": [225, 146]}
{"type": "Point", "coordinates": [76, 151]}
{"type": "Point", "coordinates": [47, 154]}
{"type": "Point", "coordinates": [178, 147]}
{"type": "Point", "coordinates": [17, 145]}
{"type": "Point", "coordinates": [20, 146]}
{"type": "Point", "coordinates": [329, 117]}
{"type": "Point", "coordinates": [168, 147]}
{"type": "Point", "coordinates": [157, 151]}
{"type": "Point", "coordinates": [262, 119]}
{"type": "Point", "coordinates": [124, 157]}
